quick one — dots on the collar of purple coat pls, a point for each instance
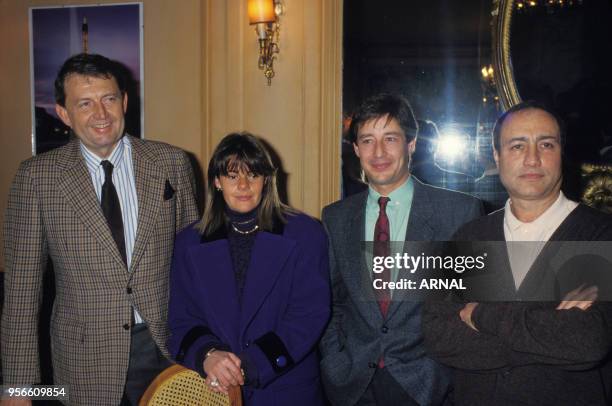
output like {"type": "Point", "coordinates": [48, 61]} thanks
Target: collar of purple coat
{"type": "Point", "coordinates": [269, 257]}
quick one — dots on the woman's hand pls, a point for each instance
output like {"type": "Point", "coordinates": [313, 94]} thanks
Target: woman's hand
{"type": "Point", "coordinates": [222, 370]}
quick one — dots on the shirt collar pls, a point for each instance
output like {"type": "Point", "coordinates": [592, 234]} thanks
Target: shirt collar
{"type": "Point", "coordinates": [116, 156]}
{"type": "Point", "coordinates": [400, 196]}
{"type": "Point", "coordinates": [558, 208]}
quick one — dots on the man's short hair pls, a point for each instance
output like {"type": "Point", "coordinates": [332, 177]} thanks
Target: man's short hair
{"type": "Point", "coordinates": [390, 105]}
{"type": "Point", "coordinates": [526, 105]}
{"type": "Point", "coordinates": [88, 65]}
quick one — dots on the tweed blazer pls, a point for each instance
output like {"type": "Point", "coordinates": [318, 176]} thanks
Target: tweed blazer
{"type": "Point", "coordinates": [53, 212]}
{"type": "Point", "coordinates": [357, 335]}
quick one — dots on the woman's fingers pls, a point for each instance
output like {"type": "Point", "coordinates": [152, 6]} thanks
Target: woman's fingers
{"type": "Point", "coordinates": [235, 359]}
{"type": "Point", "coordinates": [232, 372]}
{"type": "Point", "coordinates": [237, 372]}
{"type": "Point", "coordinates": [226, 378]}
{"type": "Point", "coordinates": [225, 367]}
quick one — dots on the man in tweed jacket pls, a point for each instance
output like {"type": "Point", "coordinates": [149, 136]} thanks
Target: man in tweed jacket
{"type": "Point", "coordinates": [108, 326]}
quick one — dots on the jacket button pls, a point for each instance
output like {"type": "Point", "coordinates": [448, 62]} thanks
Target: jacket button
{"type": "Point", "coordinates": [126, 326]}
{"type": "Point", "coordinates": [129, 290]}
{"type": "Point", "coordinates": [372, 365]}
{"type": "Point", "coordinates": [384, 329]}
{"type": "Point", "coordinates": [281, 361]}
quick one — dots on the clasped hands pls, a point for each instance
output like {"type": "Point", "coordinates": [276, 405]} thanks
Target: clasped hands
{"type": "Point", "coordinates": [581, 298]}
{"type": "Point", "coordinates": [222, 371]}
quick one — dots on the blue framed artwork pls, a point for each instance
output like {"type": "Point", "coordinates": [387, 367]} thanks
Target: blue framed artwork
{"type": "Point", "coordinates": [56, 33]}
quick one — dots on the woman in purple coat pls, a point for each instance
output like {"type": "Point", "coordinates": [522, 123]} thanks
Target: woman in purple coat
{"type": "Point", "coordinates": [249, 291]}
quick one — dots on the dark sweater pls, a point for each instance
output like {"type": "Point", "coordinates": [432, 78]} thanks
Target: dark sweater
{"type": "Point", "coordinates": [526, 352]}
{"type": "Point", "coordinates": [241, 243]}
{"type": "Point", "coordinates": [241, 246]}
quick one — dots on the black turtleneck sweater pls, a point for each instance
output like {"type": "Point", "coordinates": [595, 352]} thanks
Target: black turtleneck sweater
{"type": "Point", "coordinates": [241, 243]}
{"type": "Point", "coordinates": [241, 246]}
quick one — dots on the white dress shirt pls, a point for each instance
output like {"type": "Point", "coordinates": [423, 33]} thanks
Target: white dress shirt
{"type": "Point", "coordinates": [526, 240]}
{"type": "Point", "coordinates": [123, 180]}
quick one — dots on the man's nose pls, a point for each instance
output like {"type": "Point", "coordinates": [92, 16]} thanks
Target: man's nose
{"type": "Point", "coordinates": [379, 148]}
{"type": "Point", "coordinates": [532, 156]}
{"type": "Point", "coordinates": [100, 111]}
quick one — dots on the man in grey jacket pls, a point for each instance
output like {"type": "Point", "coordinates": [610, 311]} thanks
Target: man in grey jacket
{"type": "Point", "coordinates": [372, 352]}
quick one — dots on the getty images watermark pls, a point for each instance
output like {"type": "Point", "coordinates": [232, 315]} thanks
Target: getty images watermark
{"type": "Point", "coordinates": [482, 270]}
{"type": "Point", "coordinates": [414, 263]}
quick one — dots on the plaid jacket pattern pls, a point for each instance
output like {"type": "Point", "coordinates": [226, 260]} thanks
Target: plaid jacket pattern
{"type": "Point", "coordinates": [53, 213]}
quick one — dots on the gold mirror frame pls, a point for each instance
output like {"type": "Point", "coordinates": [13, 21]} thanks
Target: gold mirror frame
{"type": "Point", "coordinates": [502, 62]}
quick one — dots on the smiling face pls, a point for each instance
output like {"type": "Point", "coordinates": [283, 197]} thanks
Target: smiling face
{"type": "Point", "coordinates": [242, 189]}
{"type": "Point", "coordinates": [384, 153]}
{"type": "Point", "coordinates": [95, 109]}
{"type": "Point", "coordinates": [529, 157]}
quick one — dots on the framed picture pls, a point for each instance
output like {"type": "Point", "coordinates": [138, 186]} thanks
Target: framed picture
{"type": "Point", "coordinates": [56, 33]}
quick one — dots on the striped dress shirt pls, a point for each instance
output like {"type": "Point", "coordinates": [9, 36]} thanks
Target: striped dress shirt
{"type": "Point", "coordinates": [123, 179]}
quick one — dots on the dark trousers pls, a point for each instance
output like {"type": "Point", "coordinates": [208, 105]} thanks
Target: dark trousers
{"type": "Point", "coordinates": [146, 362]}
{"type": "Point", "coordinates": [384, 390]}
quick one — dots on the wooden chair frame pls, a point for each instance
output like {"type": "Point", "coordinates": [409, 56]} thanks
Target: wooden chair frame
{"type": "Point", "coordinates": [235, 394]}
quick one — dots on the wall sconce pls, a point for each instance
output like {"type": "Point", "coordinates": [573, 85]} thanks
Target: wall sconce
{"type": "Point", "coordinates": [488, 85]}
{"type": "Point", "coordinates": [487, 73]}
{"type": "Point", "coordinates": [265, 14]}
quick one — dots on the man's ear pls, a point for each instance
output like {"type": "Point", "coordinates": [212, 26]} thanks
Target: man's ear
{"type": "Point", "coordinates": [412, 146]}
{"type": "Point", "coordinates": [356, 149]}
{"type": "Point", "coordinates": [496, 157]}
{"type": "Point", "coordinates": [63, 115]}
{"type": "Point", "coordinates": [125, 102]}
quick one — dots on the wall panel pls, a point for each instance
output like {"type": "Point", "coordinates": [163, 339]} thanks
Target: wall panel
{"type": "Point", "coordinates": [202, 81]}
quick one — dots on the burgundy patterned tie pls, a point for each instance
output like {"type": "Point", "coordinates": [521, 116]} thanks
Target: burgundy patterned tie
{"type": "Point", "coordinates": [382, 249]}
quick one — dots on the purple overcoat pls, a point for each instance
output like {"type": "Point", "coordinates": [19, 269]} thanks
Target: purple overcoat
{"type": "Point", "coordinates": [285, 307]}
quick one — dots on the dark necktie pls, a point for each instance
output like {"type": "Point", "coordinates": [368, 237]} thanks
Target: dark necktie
{"type": "Point", "coordinates": [382, 249]}
{"type": "Point", "coordinates": [112, 209]}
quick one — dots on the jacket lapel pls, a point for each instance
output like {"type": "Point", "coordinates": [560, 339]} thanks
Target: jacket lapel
{"type": "Point", "coordinates": [219, 284]}
{"type": "Point", "coordinates": [499, 281]}
{"type": "Point", "coordinates": [543, 272]}
{"type": "Point", "coordinates": [357, 275]}
{"type": "Point", "coordinates": [77, 187]}
{"type": "Point", "coordinates": [268, 257]}
{"type": "Point", "coordinates": [421, 210]}
{"type": "Point", "coordinates": [150, 182]}
{"type": "Point", "coordinates": [418, 229]}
